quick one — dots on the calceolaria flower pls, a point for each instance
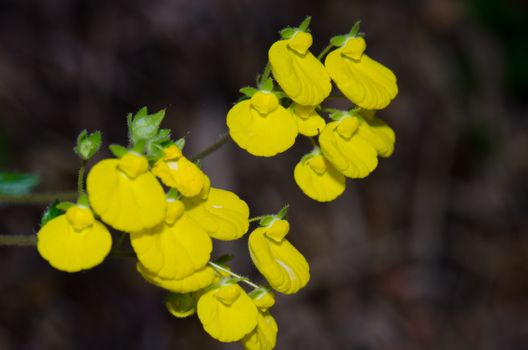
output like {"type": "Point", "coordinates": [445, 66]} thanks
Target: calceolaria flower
{"type": "Point", "coordinates": [226, 312]}
{"type": "Point", "coordinates": [264, 336]}
{"type": "Point", "coordinates": [196, 281]}
{"type": "Point", "coordinates": [310, 123]}
{"type": "Point", "coordinates": [223, 215]}
{"type": "Point", "coordinates": [175, 248]}
{"type": "Point", "coordinates": [362, 80]}
{"type": "Point", "coordinates": [318, 178]}
{"type": "Point", "coordinates": [178, 172]}
{"type": "Point", "coordinates": [299, 73]}
{"type": "Point", "coordinates": [278, 260]}
{"type": "Point", "coordinates": [74, 241]}
{"type": "Point", "coordinates": [261, 125]}
{"type": "Point", "coordinates": [125, 194]}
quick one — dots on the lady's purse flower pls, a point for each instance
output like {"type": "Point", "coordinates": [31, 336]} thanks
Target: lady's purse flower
{"type": "Point", "coordinates": [178, 172]}
{"type": "Point", "coordinates": [226, 312]}
{"type": "Point", "coordinates": [284, 267]}
{"type": "Point", "coordinates": [264, 336]}
{"type": "Point", "coordinates": [299, 73]}
{"type": "Point", "coordinates": [74, 241]}
{"type": "Point", "coordinates": [125, 194]}
{"type": "Point", "coordinates": [223, 215]}
{"type": "Point", "coordinates": [261, 125]}
{"type": "Point", "coordinates": [317, 178]}
{"type": "Point", "coordinates": [362, 80]}
{"type": "Point", "coordinates": [309, 122]}
{"type": "Point", "coordinates": [174, 249]}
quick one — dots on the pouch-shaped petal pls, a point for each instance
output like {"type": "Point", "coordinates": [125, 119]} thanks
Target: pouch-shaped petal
{"type": "Point", "coordinates": [262, 135]}
{"type": "Point", "coordinates": [227, 313]}
{"type": "Point", "coordinates": [278, 260]}
{"type": "Point", "coordinates": [73, 246]}
{"type": "Point", "coordinates": [223, 215]}
{"type": "Point", "coordinates": [351, 154]}
{"type": "Point", "coordinates": [309, 122]}
{"type": "Point", "coordinates": [300, 74]}
{"type": "Point", "coordinates": [379, 135]}
{"type": "Point", "coordinates": [175, 248]}
{"type": "Point", "coordinates": [264, 336]}
{"type": "Point", "coordinates": [126, 196]}
{"type": "Point", "coordinates": [198, 280]}
{"type": "Point", "coordinates": [361, 79]}
{"type": "Point", "coordinates": [318, 179]}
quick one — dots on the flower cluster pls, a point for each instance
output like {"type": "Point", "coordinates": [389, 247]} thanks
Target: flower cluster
{"type": "Point", "coordinates": [267, 121]}
{"type": "Point", "coordinates": [164, 203]}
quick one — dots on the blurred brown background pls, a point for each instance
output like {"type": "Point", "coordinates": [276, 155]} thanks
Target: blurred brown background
{"type": "Point", "coordinates": [429, 252]}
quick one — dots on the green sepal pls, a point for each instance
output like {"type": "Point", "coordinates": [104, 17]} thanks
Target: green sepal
{"type": "Point", "coordinates": [64, 205]}
{"type": "Point", "coordinates": [305, 24]}
{"type": "Point", "coordinates": [287, 33]}
{"type": "Point", "coordinates": [87, 144]}
{"type": "Point", "coordinates": [338, 40]}
{"type": "Point", "coordinates": [180, 143]}
{"type": "Point", "coordinates": [266, 220]}
{"type": "Point", "coordinates": [282, 213]}
{"type": "Point", "coordinates": [248, 91]}
{"type": "Point", "coordinates": [83, 200]}
{"type": "Point", "coordinates": [51, 212]}
{"type": "Point", "coordinates": [117, 150]}
{"type": "Point", "coordinates": [158, 143]}
{"type": "Point", "coordinates": [16, 184]}
{"type": "Point", "coordinates": [355, 29]}
{"type": "Point", "coordinates": [266, 85]}
{"type": "Point", "coordinates": [280, 94]}
{"type": "Point", "coordinates": [224, 259]}
{"type": "Point", "coordinates": [144, 126]}
{"type": "Point", "coordinates": [173, 194]}
{"type": "Point", "coordinates": [257, 292]}
{"type": "Point", "coordinates": [180, 305]}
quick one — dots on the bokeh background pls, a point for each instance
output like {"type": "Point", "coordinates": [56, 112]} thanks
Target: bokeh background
{"type": "Point", "coordinates": [429, 252]}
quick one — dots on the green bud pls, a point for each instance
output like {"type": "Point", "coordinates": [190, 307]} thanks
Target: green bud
{"type": "Point", "coordinates": [87, 144]}
{"type": "Point", "coordinates": [142, 126]}
{"type": "Point", "coordinates": [117, 150]}
{"type": "Point", "coordinates": [180, 305]}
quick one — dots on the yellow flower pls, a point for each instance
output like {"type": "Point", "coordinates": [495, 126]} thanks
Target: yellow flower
{"type": "Point", "coordinates": [261, 125]}
{"type": "Point", "coordinates": [318, 179]}
{"type": "Point", "coordinates": [379, 135]}
{"type": "Point", "coordinates": [264, 336]}
{"type": "Point", "coordinates": [223, 215]}
{"type": "Point", "coordinates": [227, 312]}
{"type": "Point", "coordinates": [178, 172]}
{"type": "Point", "coordinates": [175, 248]}
{"type": "Point", "coordinates": [125, 194]}
{"type": "Point", "coordinates": [349, 153]}
{"type": "Point", "coordinates": [74, 241]}
{"type": "Point", "coordinates": [309, 122]}
{"type": "Point", "coordinates": [302, 76]}
{"type": "Point", "coordinates": [361, 79]}
{"type": "Point", "coordinates": [284, 267]}
{"type": "Point", "coordinates": [196, 281]}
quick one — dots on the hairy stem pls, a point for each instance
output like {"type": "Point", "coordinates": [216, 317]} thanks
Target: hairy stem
{"type": "Point", "coordinates": [241, 278]}
{"type": "Point", "coordinates": [212, 148]}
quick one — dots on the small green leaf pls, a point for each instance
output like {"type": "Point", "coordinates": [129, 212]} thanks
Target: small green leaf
{"type": "Point", "coordinates": [180, 143]}
{"type": "Point", "coordinates": [282, 213]}
{"type": "Point", "coordinates": [87, 144]}
{"type": "Point", "coordinates": [117, 150]}
{"type": "Point", "coordinates": [51, 212]}
{"type": "Point", "coordinates": [64, 205]}
{"type": "Point", "coordinates": [224, 259]}
{"type": "Point", "coordinates": [355, 29]}
{"type": "Point", "coordinates": [17, 183]}
{"type": "Point", "coordinates": [248, 91]}
{"type": "Point", "coordinates": [287, 33]}
{"type": "Point", "coordinates": [305, 24]}
{"type": "Point", "coordinates": [266, 220]}
{"type": "Point", "coordinates": [267, 85]}
{"type": "Point", "coordinates": [338, 40]}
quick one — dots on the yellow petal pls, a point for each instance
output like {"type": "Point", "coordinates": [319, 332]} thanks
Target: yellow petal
{"type": "Point", "coordinates": [277, 230]}
{"type": "Point", "coordinates": [322, 186]}
{"type": "Point", "coordinates": [125, 204]}
{"type": "Point", "coordinates": [354, 48]}
{"type": "Point", "coordinates": [198, 280]}
{"type": "Point", "coordinates": [133, 165]}
{"type": "Point", "coordinates": [172, 152]}
{"type": "Point", "coordinates": [173, 251]}
{"type": "Point", "coordinates": [261, 135]}
{"type": "Point", "coordinates": [302, 77]}
{"type": "Point", "coordinates": [181, 174]}
{"type": "Point", "coordinates": [263, 299]}
{"type": "Point", "coordinates": [379, 135]}
{"type": "Point", "coordinates": [264, 336]}
{"type": "Point", "coordinates": [264, 102]}
{"type": "Point", "coordinates": [354, 157]}
{"type": "Point", "coordinates": [223, 214]}
{"type": "Point", "coordinates": [280, 263]}
{"type": "Point", "coordinates": [365, 82]}
{"type": "Point", "coordinates": [300, 42]}
{"type": "Point", "coordinates": [308, 121]}
{"type": "Point", "coordinates": [70, 250]}
{"type": "Point", "coordinates": [80, 217]}
{"type": "Point", "coordinates": [223, 322]}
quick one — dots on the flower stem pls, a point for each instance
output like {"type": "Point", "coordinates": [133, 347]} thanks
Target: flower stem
{"type": "Point", "coordinates": [80, 178]}
{"type": "Point", "coordinates": [257, 218]}
{"type": "Point", "coordinates": [212, 148]}
{"type": "Point", "coordinates": [325, 51]}
{"type": "Point", "coordinates": [37, 198]}
{"type": "Point", "coordinates": [241, 278]}
{"type": "Point", "coordinates": [18, 240]}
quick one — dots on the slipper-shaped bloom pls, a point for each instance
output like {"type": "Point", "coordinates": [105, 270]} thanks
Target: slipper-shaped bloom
{"type": "Point", "coordinates": [200, 279]}
{"type": "Point", "coordinates": [178, 172]}
{"type": "Point", "coordinates": [74, 241]}
{"type": "Point", "coordinates": [175, 248]}
{"type": "Point", "coordinates": [361, 79]}
{"type": "Point", "coordinates": [351, 154]}
{"type": "Point", "coordinates": [318, 179]}
{"type": "Point", "coordinates": [278, 260]}
{"type": "Point", "coordinates": [309, 122]}
{"type": "Point", "coordinates": [264, 336]}
{"type": "Point", "coordinates": [379, 135]}
{"type": "Point", "coordinates": [223, 215]}
{"type": "Point", "coordinates": [227, 313]}
{"type": "Point", "coordinates": [261, 125]}
{"type": "Point", "coordinates": [299, 73]}
{"type": "Point", "coordinates": [125, 194]}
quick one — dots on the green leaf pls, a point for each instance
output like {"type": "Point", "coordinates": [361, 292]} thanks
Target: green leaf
{"type": "Point", "coordinates": [338, 40]}
{"type": "Point", "coordinates": [224, 259]}
{"type": "Point", "coordinates": [117, 150]}
{"type": "Point", "coordinates": [248, 91]}
{"type": "Point", "coordinates": [355, 29]}
{"type": "Point", "coordinates": [282, 213]}
{"type": "Point", "coordinates": [16, 184]}
{"type": "Point", "coordinates": [267, 85]}
{"type": "Point", "coordinates": [87, 144]}
{"type": "Point", "coordinates": [287, 33]}
{"type": "Point", "coordinates": [305, 24]}
{"type": "Point", "coordinates": [51, 212]}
